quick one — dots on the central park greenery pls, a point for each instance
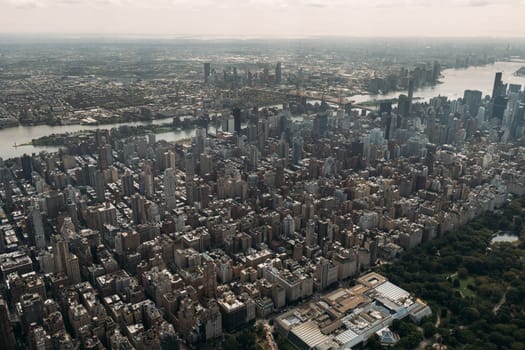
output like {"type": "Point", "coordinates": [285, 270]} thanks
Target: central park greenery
{"type": "Point", "coordinates": [476, 290]}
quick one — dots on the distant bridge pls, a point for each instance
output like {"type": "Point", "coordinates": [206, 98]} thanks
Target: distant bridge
{"type": "Point", "coordinates": [341, 100]}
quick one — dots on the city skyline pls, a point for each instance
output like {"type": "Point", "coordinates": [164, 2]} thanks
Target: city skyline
{"type": "Point", "coordinates": [265, 18]}
{"type": "Point", "coordinates": [262, 174]}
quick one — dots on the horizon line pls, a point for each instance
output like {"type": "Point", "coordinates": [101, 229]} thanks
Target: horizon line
{"type": "Point", "coordinates": [204, 37]}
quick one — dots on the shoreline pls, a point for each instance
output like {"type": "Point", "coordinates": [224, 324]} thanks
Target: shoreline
{"type": "Point", "coordinates": [61, 139]}
{"type": "Point", "coordinates": [116, 121]}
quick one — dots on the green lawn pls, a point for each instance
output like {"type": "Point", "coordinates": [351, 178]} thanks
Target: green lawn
{"type": "Point", "coordinates": [463, 283]}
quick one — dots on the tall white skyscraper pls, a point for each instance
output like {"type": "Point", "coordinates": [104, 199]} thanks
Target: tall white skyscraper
{"type": "Point", "coordinates": [38, 226]}
{"type": "Point", "coordinates": [169, 188]}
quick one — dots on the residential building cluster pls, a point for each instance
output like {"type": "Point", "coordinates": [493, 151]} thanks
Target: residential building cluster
{"type": "Point", "coordinates": [72, 85]}
{"type": "Point", "coordinates": [140, 243]}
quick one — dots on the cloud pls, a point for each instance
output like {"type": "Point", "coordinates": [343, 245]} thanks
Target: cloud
{"type": "Point", "coordinates": [24, 3]}
{"type": "Point", "coordinates": [257, 4]}
{"type": "Point", "coordinates": [478, 3]}
{"type": "Point", "coordinates": [315, 4]}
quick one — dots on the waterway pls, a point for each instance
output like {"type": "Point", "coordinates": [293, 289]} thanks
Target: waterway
{"type": "Point", "coordinates": [453, 83]}
{"type": "Point", "coordinates": [24, 134]}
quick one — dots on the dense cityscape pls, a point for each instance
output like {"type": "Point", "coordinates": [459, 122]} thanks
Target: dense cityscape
{"type": "Point", "coordinates": [305, 168]}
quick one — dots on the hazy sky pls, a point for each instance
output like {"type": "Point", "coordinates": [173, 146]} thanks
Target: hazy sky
{"type": "Point", "coordinates": [267, 18]}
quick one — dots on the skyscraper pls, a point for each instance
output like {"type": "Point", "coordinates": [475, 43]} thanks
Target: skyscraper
{"type": "Point", "coordinates": [498, 86]}
{"type": "Point", "coordinates": [321, 124]}
{"type": "Point", "coordinates": [403, 106]}
{"type": "Point", "coordinates": [127, 184]}
{"type": "Point", "coordinates": [385, 107]}
{"type": "Point", "coordinates": [472, 98]}
{"type": "Point", "coordinates": [100, 186]}
{"type": "Point", "coordinates": [253, 157]}
{"type": "Point", "coordinates": [235, 77]}
{"type": "Point", "coordinates": [169, 188]}
{"type": "Point", "coordinates": [102, 158]}
{"type": "Point", "coordinates": [147, 180]}
{"type": "Point", "coordinates": [65, 262]}
{"type": "Point", "coordinates": [499, 100]}
{"type": "Point", "coordinates": [60, 253]}
{"type": "Point", "coordinates": [169, 159]}
{"type": "Point", "coordinates": [207, 72]}
{"type": "Point", "coordinates": [210, 277]}
{"type": "Point", "coordinates": [278, 73]}
{"type": "Point", "coordinates": [499, 106]}
{"type": "Point", "coordinates": [102, 137]}
{"type": "Point", "coordinates": [436, 71]}
{"type": "Point", "coordinates": [6, 330]}
{"type": "Point", "coordinates": [410, 93]}
{"type": "Point", "coordinates": [189, 163]}
{"type": "Point", "coordinates": [27, 167]}
{"type": "Point", "coordinates": [265, 74]}
{"type": "Point", "coordinates": [2, 242]}
{"type": "Point", "coordinates": [237, 120]}
{"type": "Point", "coordinates": [326, 273]}
{"type": "Point", "coordinates": [138, 208]}
{"type": "Point", "coordinates": [38, 227]}
{"type": "Point", "coordinates": [297, 150]}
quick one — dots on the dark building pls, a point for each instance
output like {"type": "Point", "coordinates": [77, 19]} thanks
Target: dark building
{"type": "Point", "coordinates": [2, 242]}
{"type": "Point", "coordinates": [278, 73]}
{"type": "Point", "coordinates": [403, 105]}
{"type": "Point", "coordinates": [233, 315]}
{"type": "Point", "coordinates": [514, 88]}
{"type": "Point", "coordinates": [127, 184]}
{"type": "Point", "coordinates": [32, 307]}
{"type": "Point", "coordinates": [410, 89]}
{"type": "Point", "coordinates": [250, 78]}
{"type": "Point", "coordinates": [6, 330]}
{"type": "Point", "coordinates": [499, 106]}
{"type": "Point", "coordinates": [436, 71]}
{"type": "Point", "coordinates": [265, 74]}
{"type": "Point", "coordinates": [320, 124]}
{"type": "Point", "coordinates": [472, 98]}
{"type": "Point", "coordinates": [54, 202]}
{"type": "Point", "coordinates": [390, 125]}
{"type": "Point", "coordinates": [100, 186]}
{"type": "Point", "coordinates": [237, 120]}
{"type": "Point", "coordinates": [518, 122]}
{"type": "Point", "coordinates": [105, 157]}
{"type": "Point", "coordinates": [297, 150]}
{"type": "Point", "coordinates": [207, 72]}
{"type": "Point", "coordinates": [27, 167]}
{"type": "Point", "coordinates": [138, 209]}
{"type": "Point", "coordinates": [189, 163]}
{"type": "Point", "coordinates": [102, 137]}
{"type": "Point", "coordinates": [385, 107]}
{"type": "Point", "coordinates": [499, 87]}
{"type": "Point", "coordinates": [8, 193]}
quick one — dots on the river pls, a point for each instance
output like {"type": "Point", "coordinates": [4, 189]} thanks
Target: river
{"type": "Point", "coordinates": [24, 134]}
{"type": "Point", "coordinates": [453, 83]}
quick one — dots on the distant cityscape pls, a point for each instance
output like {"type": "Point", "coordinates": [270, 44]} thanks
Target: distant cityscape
{"type": "Point", "coordinates": [275, 211]}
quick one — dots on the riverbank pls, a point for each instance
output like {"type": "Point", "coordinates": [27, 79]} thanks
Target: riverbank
{"type": "Point", "coordinates": [120, 132]}
{"type": "Point", "coordinates": [116, 119]}
{"type": "Point", "coordinates": [454, 83]}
